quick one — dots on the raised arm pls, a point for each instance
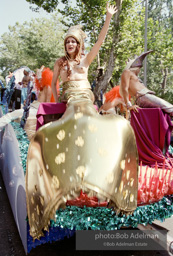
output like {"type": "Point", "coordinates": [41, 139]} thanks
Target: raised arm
{"type": "Point", "coordinates": [56, 73]}
{"type": "Point", "coordinates": [111, 10]}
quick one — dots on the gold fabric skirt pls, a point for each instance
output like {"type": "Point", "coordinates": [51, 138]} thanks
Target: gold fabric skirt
{"type": "Point", "coordinates": [82, 150]}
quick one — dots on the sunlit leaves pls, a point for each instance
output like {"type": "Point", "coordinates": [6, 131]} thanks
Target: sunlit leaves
{"type": "Point", "coordinates": [32, 44]}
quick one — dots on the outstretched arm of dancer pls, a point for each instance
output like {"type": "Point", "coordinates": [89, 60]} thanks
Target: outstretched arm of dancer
{"type": "Point", "coordinates": [111, 10]}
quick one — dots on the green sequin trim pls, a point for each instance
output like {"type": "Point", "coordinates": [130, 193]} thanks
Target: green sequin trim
{"type": "Point", "coordinates": [102, 218]}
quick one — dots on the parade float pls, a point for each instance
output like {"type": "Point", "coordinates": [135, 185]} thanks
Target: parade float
{"type": "Point", "coordinates": [84, 211]}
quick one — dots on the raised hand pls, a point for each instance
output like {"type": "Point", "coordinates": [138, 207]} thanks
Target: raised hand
{"type": "Point", "coordinates": [111, 9]}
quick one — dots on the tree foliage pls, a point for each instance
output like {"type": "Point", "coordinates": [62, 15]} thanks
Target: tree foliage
{"type": "Point", "coordinates": [47, 5]}
{"type": "Point", "coordinates": [160, 32]}
{"type": "Point", "coordinates": [31, 44]}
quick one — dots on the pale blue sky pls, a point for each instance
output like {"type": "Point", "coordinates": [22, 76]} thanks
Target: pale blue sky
{"type": "Point", "coordinates": [12, 11]}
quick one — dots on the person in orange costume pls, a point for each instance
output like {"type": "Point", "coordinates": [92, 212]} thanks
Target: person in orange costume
{"type": "Point", "coordinates": [113, 99]}
{"type": "Point", "coordinates": [43, 82]}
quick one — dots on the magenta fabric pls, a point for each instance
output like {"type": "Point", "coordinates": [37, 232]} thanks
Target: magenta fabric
{"type": "Point", "coordinates": [50, 108]}
{"type": "Point", "coordinates": [153, 131]}
{"type": "Point", "coordinates": [47, 109]}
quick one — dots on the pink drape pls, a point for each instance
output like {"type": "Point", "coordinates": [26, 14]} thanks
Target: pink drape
{"type": "Point", "coordinates": [48, 109]}
{"type": "Point", "coordinates": [153, 133]}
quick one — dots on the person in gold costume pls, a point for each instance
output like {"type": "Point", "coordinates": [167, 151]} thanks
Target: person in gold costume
{"type": "Point", "coordinates": [82, 150]}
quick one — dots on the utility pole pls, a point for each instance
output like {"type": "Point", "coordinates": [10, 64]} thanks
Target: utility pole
{"type": "Point", "coordinates": [145, 43]}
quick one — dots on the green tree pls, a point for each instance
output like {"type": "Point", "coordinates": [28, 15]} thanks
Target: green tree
{"type": "Point", "coordinates": [47, 5]}
{"type": "Point", "coordinates": [160, 32]}
{"type": "Point", "coordinates": [31, 44]}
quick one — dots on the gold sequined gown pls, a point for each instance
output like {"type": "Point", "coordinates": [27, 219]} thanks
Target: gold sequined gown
{"type": "Point", "coordinates": [82, 150]}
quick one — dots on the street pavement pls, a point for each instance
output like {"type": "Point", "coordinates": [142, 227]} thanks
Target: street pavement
{"type": "Point", "coordinates": [11, 245]}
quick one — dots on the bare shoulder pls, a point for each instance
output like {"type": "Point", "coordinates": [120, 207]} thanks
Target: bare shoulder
{"type": "Point", "coordinates": [126, 73]}
{"type": "Point", "coordinates": [58, 61]}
